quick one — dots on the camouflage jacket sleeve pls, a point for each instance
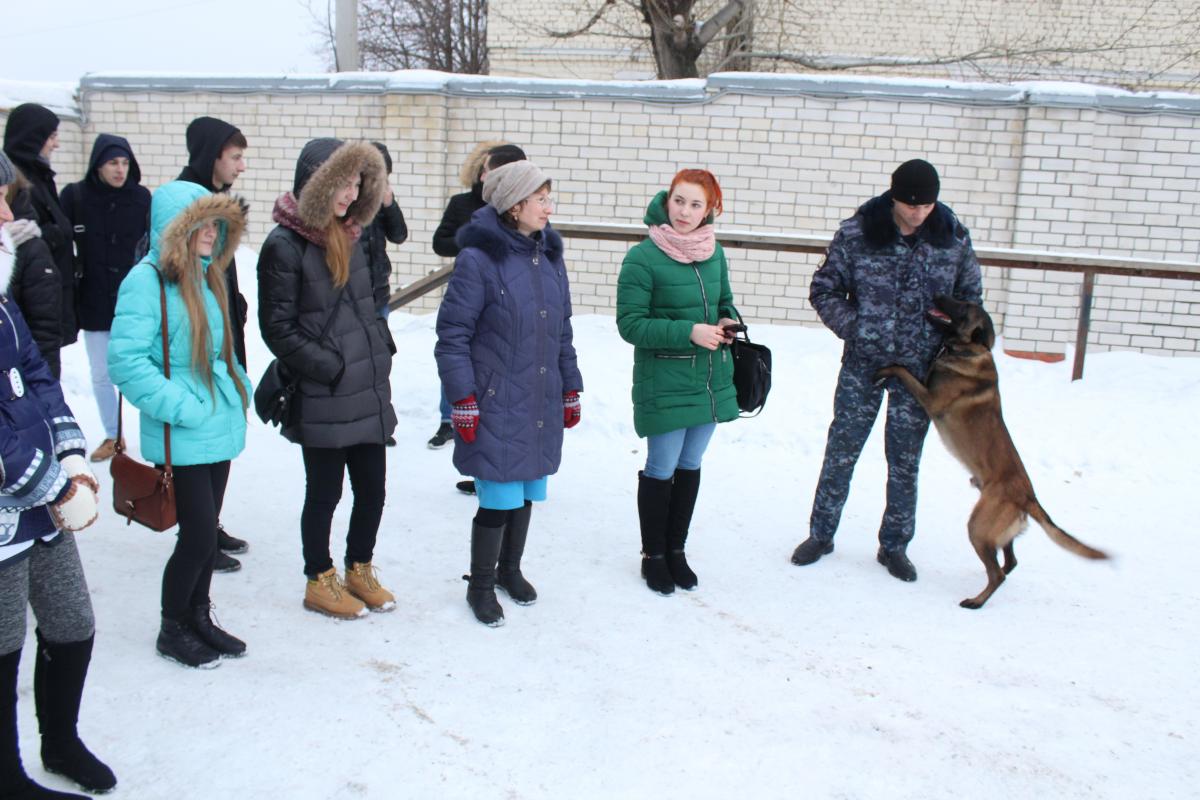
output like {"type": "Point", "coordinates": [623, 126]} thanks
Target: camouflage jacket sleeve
{"type": "Point", "coordinates": [832, 290]}
{"type": "Point", "coordinates": [968, 283]}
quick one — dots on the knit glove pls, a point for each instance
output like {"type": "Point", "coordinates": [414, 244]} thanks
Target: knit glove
{"type": "Point", "coordinates": [571, 409]}
{"type": "Point", "coordinates": [76, 467]}
{"type": "Point", "coordinates": [465, 416]}
{"type": "Point", "coordinates": [77, 509]}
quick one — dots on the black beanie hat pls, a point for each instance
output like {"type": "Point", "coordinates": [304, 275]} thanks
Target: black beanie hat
{"type": "Point", "coordinates": [387, 157]}
{"type": "Point", "coordinates": [915, 183]}
{"type": "Point", "coordinates": [504, 154]}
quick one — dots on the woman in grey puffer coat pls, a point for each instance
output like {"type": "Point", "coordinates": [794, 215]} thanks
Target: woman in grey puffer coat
{"type": "Point", "coordinates": [507, 361]}
{"type": "Point", "coordinates": [316, 309]}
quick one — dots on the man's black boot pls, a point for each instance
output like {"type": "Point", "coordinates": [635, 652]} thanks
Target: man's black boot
{"type": "Point", "coordinates": [810, 551]}
{"type": "Point", "coordinates": [897, 563]}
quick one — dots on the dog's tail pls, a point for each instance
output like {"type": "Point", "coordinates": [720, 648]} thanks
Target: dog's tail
{"type": "Point", "coordinates": [1058, 535]}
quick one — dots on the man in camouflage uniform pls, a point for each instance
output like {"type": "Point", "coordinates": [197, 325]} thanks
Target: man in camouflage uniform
{"type": "Point", "coordinates": [880, 275]}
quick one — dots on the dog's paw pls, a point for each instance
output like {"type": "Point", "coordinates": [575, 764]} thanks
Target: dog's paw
{"type": "Point", "coordinates": [971, 603]}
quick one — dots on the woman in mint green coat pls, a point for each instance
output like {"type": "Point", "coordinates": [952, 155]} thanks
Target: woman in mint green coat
{"type": "Point", "coordinates": [674, 305]}
{"type": "Point", "coordinates": [193, 236]}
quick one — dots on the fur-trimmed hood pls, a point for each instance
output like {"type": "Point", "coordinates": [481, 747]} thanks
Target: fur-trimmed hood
{"type": "Point", "coordinates": [468, 176]}
{"type": "Point", "coordinates": [324, 166]}
{"type": "Point", "coordinates": [485, 232]}
{"type": "Point", "coordinates": [879, 227]}
{"type": "Point", "coordinates": [177, 210]}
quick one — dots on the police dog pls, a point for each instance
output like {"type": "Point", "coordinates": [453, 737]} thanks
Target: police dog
{"type": "Point", "coordinates": [962, 398]}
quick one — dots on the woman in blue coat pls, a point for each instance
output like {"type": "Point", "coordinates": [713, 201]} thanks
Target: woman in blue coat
{"type": "Point", "coordinates": [193, 235]}
{"type": "Point", "coordinates": [47, 492]}
{"type": "Point", "coordinates": [505, 352]}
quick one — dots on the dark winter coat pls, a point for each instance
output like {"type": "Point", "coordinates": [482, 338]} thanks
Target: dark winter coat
{"type": "Point", "coordinates": [874, 288]}
{"type": "Point", "coordinates": [37, 428]}
{"type": "Point", "coordinates": [108, 224]}
{"type": "Point", "coordinates": [676, 384]}
{"type": "Point", "coordinates": [206, 137]}
{"type": "Point", "coordinates": [504, 335]}
{"type": "Point", "coordinates": [37, 290]}
{"type": "Point", "coordinates": [25, 133]}
{"type": "Point", "coordinates": [388, 226]}
{"type": "Point", "coordinates": [457, 214]}
{"type": "Point", "coordinates": [344, 391]}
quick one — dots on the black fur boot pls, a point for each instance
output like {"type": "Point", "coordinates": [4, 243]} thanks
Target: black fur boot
{"type": "Point", "coordinates": [654, 501]}
{"type": "Point", "coordinates": [58, 679]}
{"type": "Point", "coordinates": [512, 547]}
{"type": "Point", "coordinates": [679, 520]}
{"type": "Point", "coordinates": [14, 783]}
{"type": "Point", "coordinates": [481, 585]}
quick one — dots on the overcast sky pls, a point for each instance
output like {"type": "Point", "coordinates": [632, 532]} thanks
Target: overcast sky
{"type": "Point", "coordinates": [61, 40]}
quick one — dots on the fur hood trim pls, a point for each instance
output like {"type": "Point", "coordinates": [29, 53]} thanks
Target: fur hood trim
{"type": "Point", "coordinates": [486, 233]}
{"type": "Point", "coordinates": [468, 176]}
{"type": "Point", "coordinates": [879, 227]}
{"type": "Point", "coordinates": [228, 211]}
{"type": "Point", "coordinates": [315, 202]}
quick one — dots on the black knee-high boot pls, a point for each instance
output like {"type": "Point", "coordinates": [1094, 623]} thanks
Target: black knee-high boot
{"type": "Point", "coordinates": [14, 783]}
{"type": "Point", "coordinates": [679, 520]}
{"type": "Point", "coordinates": [481, 585]}
{"type": "Point", "coordinates": [654, 501]}
{"type": "Point", "coordinates": [512, 547]}
{"type": "Point", "coordinates": [58, 681]}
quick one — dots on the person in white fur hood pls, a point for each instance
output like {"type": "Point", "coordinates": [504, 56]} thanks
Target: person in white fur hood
{"type": "Point", "coordinates": [47, 492]}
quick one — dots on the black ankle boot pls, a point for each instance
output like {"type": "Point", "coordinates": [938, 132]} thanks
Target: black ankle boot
{"type": "Point", "coordinates": [178, 642]}
{"type": "Point", "coordinates": [481, 586]}
{"type": "Point", "coordinates": [58, 678]}
{"type": "Point", "coordinates": [810, 551]}
{"type": "Point", "coordinates": [897, 563]}
{"type": "Point", "coordinates": [14, 783]}
{"type": "Point", "coordinates": [684, 491]}
{"type": "Point", "coordinates": [512, 547]}
{"type": "Point", "coordinates": [224, 643]}
{"type": "Point", "coordinates": [654, 500]}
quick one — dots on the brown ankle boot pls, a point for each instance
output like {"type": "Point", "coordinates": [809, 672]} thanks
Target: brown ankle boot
{"type": "Point", "coordinates": [327, 595]}
{"type": "Point", "coordinates": [362, 581]}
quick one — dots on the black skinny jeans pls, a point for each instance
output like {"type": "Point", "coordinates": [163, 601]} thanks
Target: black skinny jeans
{"type": "Point", "coordinates": [324, 470]}
{"type": "Point", "coordinates": [199, 493]}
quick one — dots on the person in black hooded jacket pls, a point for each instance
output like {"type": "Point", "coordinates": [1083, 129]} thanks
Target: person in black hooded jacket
{"type": "Point", "coordinates": [316, 310]}
{"type": "Point", "coordinates": [108, 211]}
{"type": "Point", "coordinates": [30, 136]}
{"type": "Point", "coordinates": [216, 157]}
{"type": "Point", "coordinates": [388, 226]}
{"type": "Point", "coordinates": [35, 285]}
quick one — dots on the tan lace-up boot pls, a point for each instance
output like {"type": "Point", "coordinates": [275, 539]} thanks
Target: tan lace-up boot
{"type": "Point", "coordinates": [362, 581]}
{"type": "Point", "coordinates": [327, 595]}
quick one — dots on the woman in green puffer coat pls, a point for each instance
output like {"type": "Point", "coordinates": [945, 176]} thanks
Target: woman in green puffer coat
{"type": "Point", "coordinates": [675, 307]}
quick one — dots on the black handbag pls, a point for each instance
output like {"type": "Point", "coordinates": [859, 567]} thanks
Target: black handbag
{"type": "Point", "coordinates": [275, 397]}
{"type": "Point", "coordinates": [751, 374]}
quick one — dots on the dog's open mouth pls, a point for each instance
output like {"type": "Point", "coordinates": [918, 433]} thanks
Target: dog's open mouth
{"type": "Point", "coordinates": [939, 316]}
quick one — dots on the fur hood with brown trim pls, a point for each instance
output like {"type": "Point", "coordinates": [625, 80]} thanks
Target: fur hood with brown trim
{"type": "Point", "coordinates": [178, 209]}
{"type": "Point", "coordinates": [324, 166]}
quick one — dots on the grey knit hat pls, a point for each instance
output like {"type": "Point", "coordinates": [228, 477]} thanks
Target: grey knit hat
{"type": "Point", "coordinates": [508, 185]}
{"type": "Point", "coordinates": [8, 173]}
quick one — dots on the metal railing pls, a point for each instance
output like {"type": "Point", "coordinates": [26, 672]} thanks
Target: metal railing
{"type": "Point", "coordinates": [1089, 265]}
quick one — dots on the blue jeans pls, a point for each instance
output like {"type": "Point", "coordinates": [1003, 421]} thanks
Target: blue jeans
{"type": "Point", "coordinates": [681, 449]}
{"type": "Point", "coordinates": [444, 406]}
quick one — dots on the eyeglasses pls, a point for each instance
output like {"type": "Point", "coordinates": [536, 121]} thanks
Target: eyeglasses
{"type": "Point", "coordinates": [545, 201]}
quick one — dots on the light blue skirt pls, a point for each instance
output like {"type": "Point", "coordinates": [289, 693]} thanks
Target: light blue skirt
{"type": "Point", "coordinates": [506, 495]}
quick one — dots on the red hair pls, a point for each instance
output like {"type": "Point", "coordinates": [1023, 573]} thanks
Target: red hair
{"type": "Point", "coordinates": [706, 181]}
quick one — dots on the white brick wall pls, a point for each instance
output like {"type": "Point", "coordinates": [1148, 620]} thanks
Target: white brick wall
{"type": "Point", "coordinates": [1019, 174]}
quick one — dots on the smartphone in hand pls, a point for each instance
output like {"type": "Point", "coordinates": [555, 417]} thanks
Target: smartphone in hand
{"type": "Point", "coordinates": [732, 328]}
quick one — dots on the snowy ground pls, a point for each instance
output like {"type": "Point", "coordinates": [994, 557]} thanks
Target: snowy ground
{"type": "Point", "coordinates": [770, 681]}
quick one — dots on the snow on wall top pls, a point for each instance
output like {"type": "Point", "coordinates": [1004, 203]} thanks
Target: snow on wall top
{"type": "Point", "coordinates": [1041, 93]}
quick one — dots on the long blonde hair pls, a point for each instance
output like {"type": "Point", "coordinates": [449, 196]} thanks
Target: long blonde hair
{"type": "Point", "coordinates": [189, 276]}
{"type": "Point", "coordinates": [337, 252]}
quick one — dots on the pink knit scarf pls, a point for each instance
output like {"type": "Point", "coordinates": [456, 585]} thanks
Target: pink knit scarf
{"type": "Point", "coordinates": [287, 214]}
{"type": "Point", "coordinates": [698, 245]}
